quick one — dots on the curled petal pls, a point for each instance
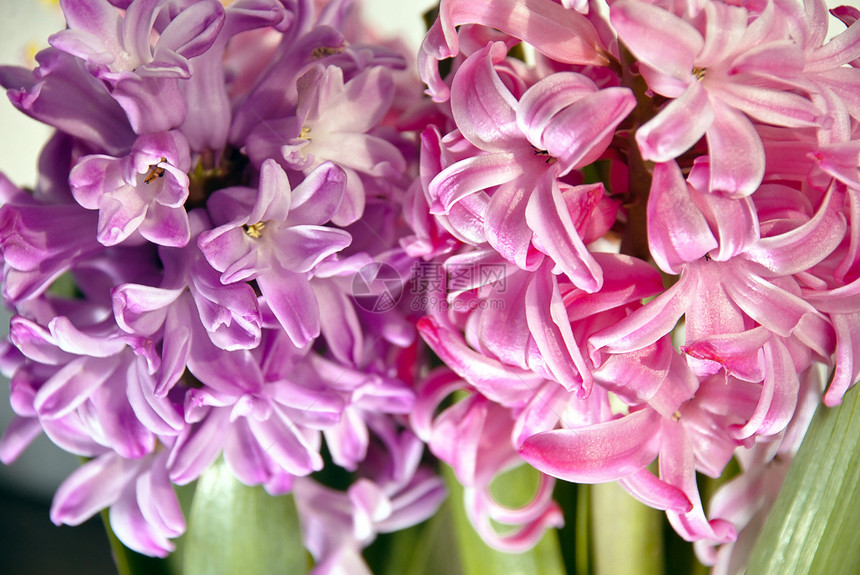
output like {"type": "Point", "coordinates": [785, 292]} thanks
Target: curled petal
{"type": "Point", "coordinates": [597, 453]}
{"type": "Point", "coordinates": [483, 107]}
{"type": "Point", "coordinates": [677, 231]}
{"type": "Point", "coordinates": [656, 493]}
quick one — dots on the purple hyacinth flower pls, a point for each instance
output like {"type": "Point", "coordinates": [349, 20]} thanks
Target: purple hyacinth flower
{"type": "Point", "coordinates": [144, 191]}
{"type": "Point", "coordinates": [276, 236]}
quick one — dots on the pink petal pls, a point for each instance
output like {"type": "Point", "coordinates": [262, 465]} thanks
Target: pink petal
{"type": "Point", "coordinates": [778, 397]}
{"type": "Point", "coordinates": [657, 37]}
{"type": "Point", "coordinates": [468, 176]}
{"type": "Point", "coordinates": [550, 327]}
{"type": "Point", "coordinates": [542, 101]}
{"type": "Point", "coordinates": [506, 227]}
{"type": "Point", "coordinates": [678, 126]}
{"type": "Point", "coordinates": [677, 467]}
{"type": "Point", "coordinates": [677, 230]}
{"type": "Point", "coordinates": [735, 152]}
{"type": "Point", "coordinates": [597, 453]}
{"type": "Point", "coordinates": [776, 309]}
{"type": "Point", "coordinates": [549, 218]}
{"type": "Point", "coordinates": [734, 221]}
{"type": "Point", "coordinates": [806, 245]}
{"type": "Point", "coordinates": [581, 132]}
{"type": "Point", "coordinates": [847, 370]}
{"type": "Point", "coordinates": [483, 107]}
{"type": "Point", "coordinates": [656, 493]}
{"type": "Point", "coordinates": [645, 325]}
{"type": "Point", "coordinates": [501, 383]}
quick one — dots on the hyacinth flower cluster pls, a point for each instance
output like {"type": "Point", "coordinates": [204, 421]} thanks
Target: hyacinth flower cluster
{"type": "Point", "coordinates": [624, 237]}
{"type": "Point", "coordinates": [218, 175]}
{"type": "Point", "coordinates": [668, 194]}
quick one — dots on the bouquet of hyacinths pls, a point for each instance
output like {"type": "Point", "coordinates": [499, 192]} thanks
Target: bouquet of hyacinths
{"type": "Point", "coordinates": [615, 243]}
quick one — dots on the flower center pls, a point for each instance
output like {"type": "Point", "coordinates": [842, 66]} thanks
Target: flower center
{"type": "Point", "coordinates": [699, 73]}
{"type": "Point", "coordinates": [305, 134]}
{"type": "Point", "coordinates": [544, 154]}
{"type": "Point", "coordinates": [324, 51]}
{"type": "Point", "coordinates": [155, 171]}
{"type": "Point", "coordinates": [254, 230]}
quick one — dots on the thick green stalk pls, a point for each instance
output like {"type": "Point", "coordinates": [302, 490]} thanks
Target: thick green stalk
{"type": "Point", "coordinates": [626, 536]}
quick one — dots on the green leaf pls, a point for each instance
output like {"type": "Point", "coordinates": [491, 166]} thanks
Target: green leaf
{"type": "Point", "coordinates": [812, 527]}
{"type": "Point", "coordinates": [234, 528]}
{"type": "Point", "coordinates": [476, 557]}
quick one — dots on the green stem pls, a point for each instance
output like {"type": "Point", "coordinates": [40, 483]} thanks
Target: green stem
{"type": "Point", "coordinates": [635, 239]}
{"type": "Point", "coordinates": [627, 536]}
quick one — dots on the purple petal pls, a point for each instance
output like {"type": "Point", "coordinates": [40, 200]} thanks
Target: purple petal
{"type": "Point", "coordinates": [286, 445]}
{"type": "Point", "coordinates": [292, 300]}
{"type": "Point", "coordinates": [20, 432]}
{"type": "Point", "coordinates": [198, 446]}
{"type": "Point", "coordinates": [157, 499]}
{"type": "Point", "coordinates": [92, 487]}
{"type": "Point", "coordinates": [73, 385]}
{"type": "Point", "coordinates": [193, 30]}
{"type": "Point", "coordinates": [132, 528]}
{"type": "Point", "coordinates": [303, 246]}
{"type": "Point", "coordinates": [318, 197]}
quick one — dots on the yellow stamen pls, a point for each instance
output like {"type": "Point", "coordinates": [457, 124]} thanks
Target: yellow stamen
{"type": "Point", "coordinates": [699, 73]}
{"type": "Point", "coordinates": [155, 171]}
{"type": "Point", "coordinates": [255, 230]}
{"type": "Point", "coordinates": [324, 51]}
{"type": "Point", "coordinates": [544, 154]}
{"type": "Point", "coordinates": [305, 134]}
